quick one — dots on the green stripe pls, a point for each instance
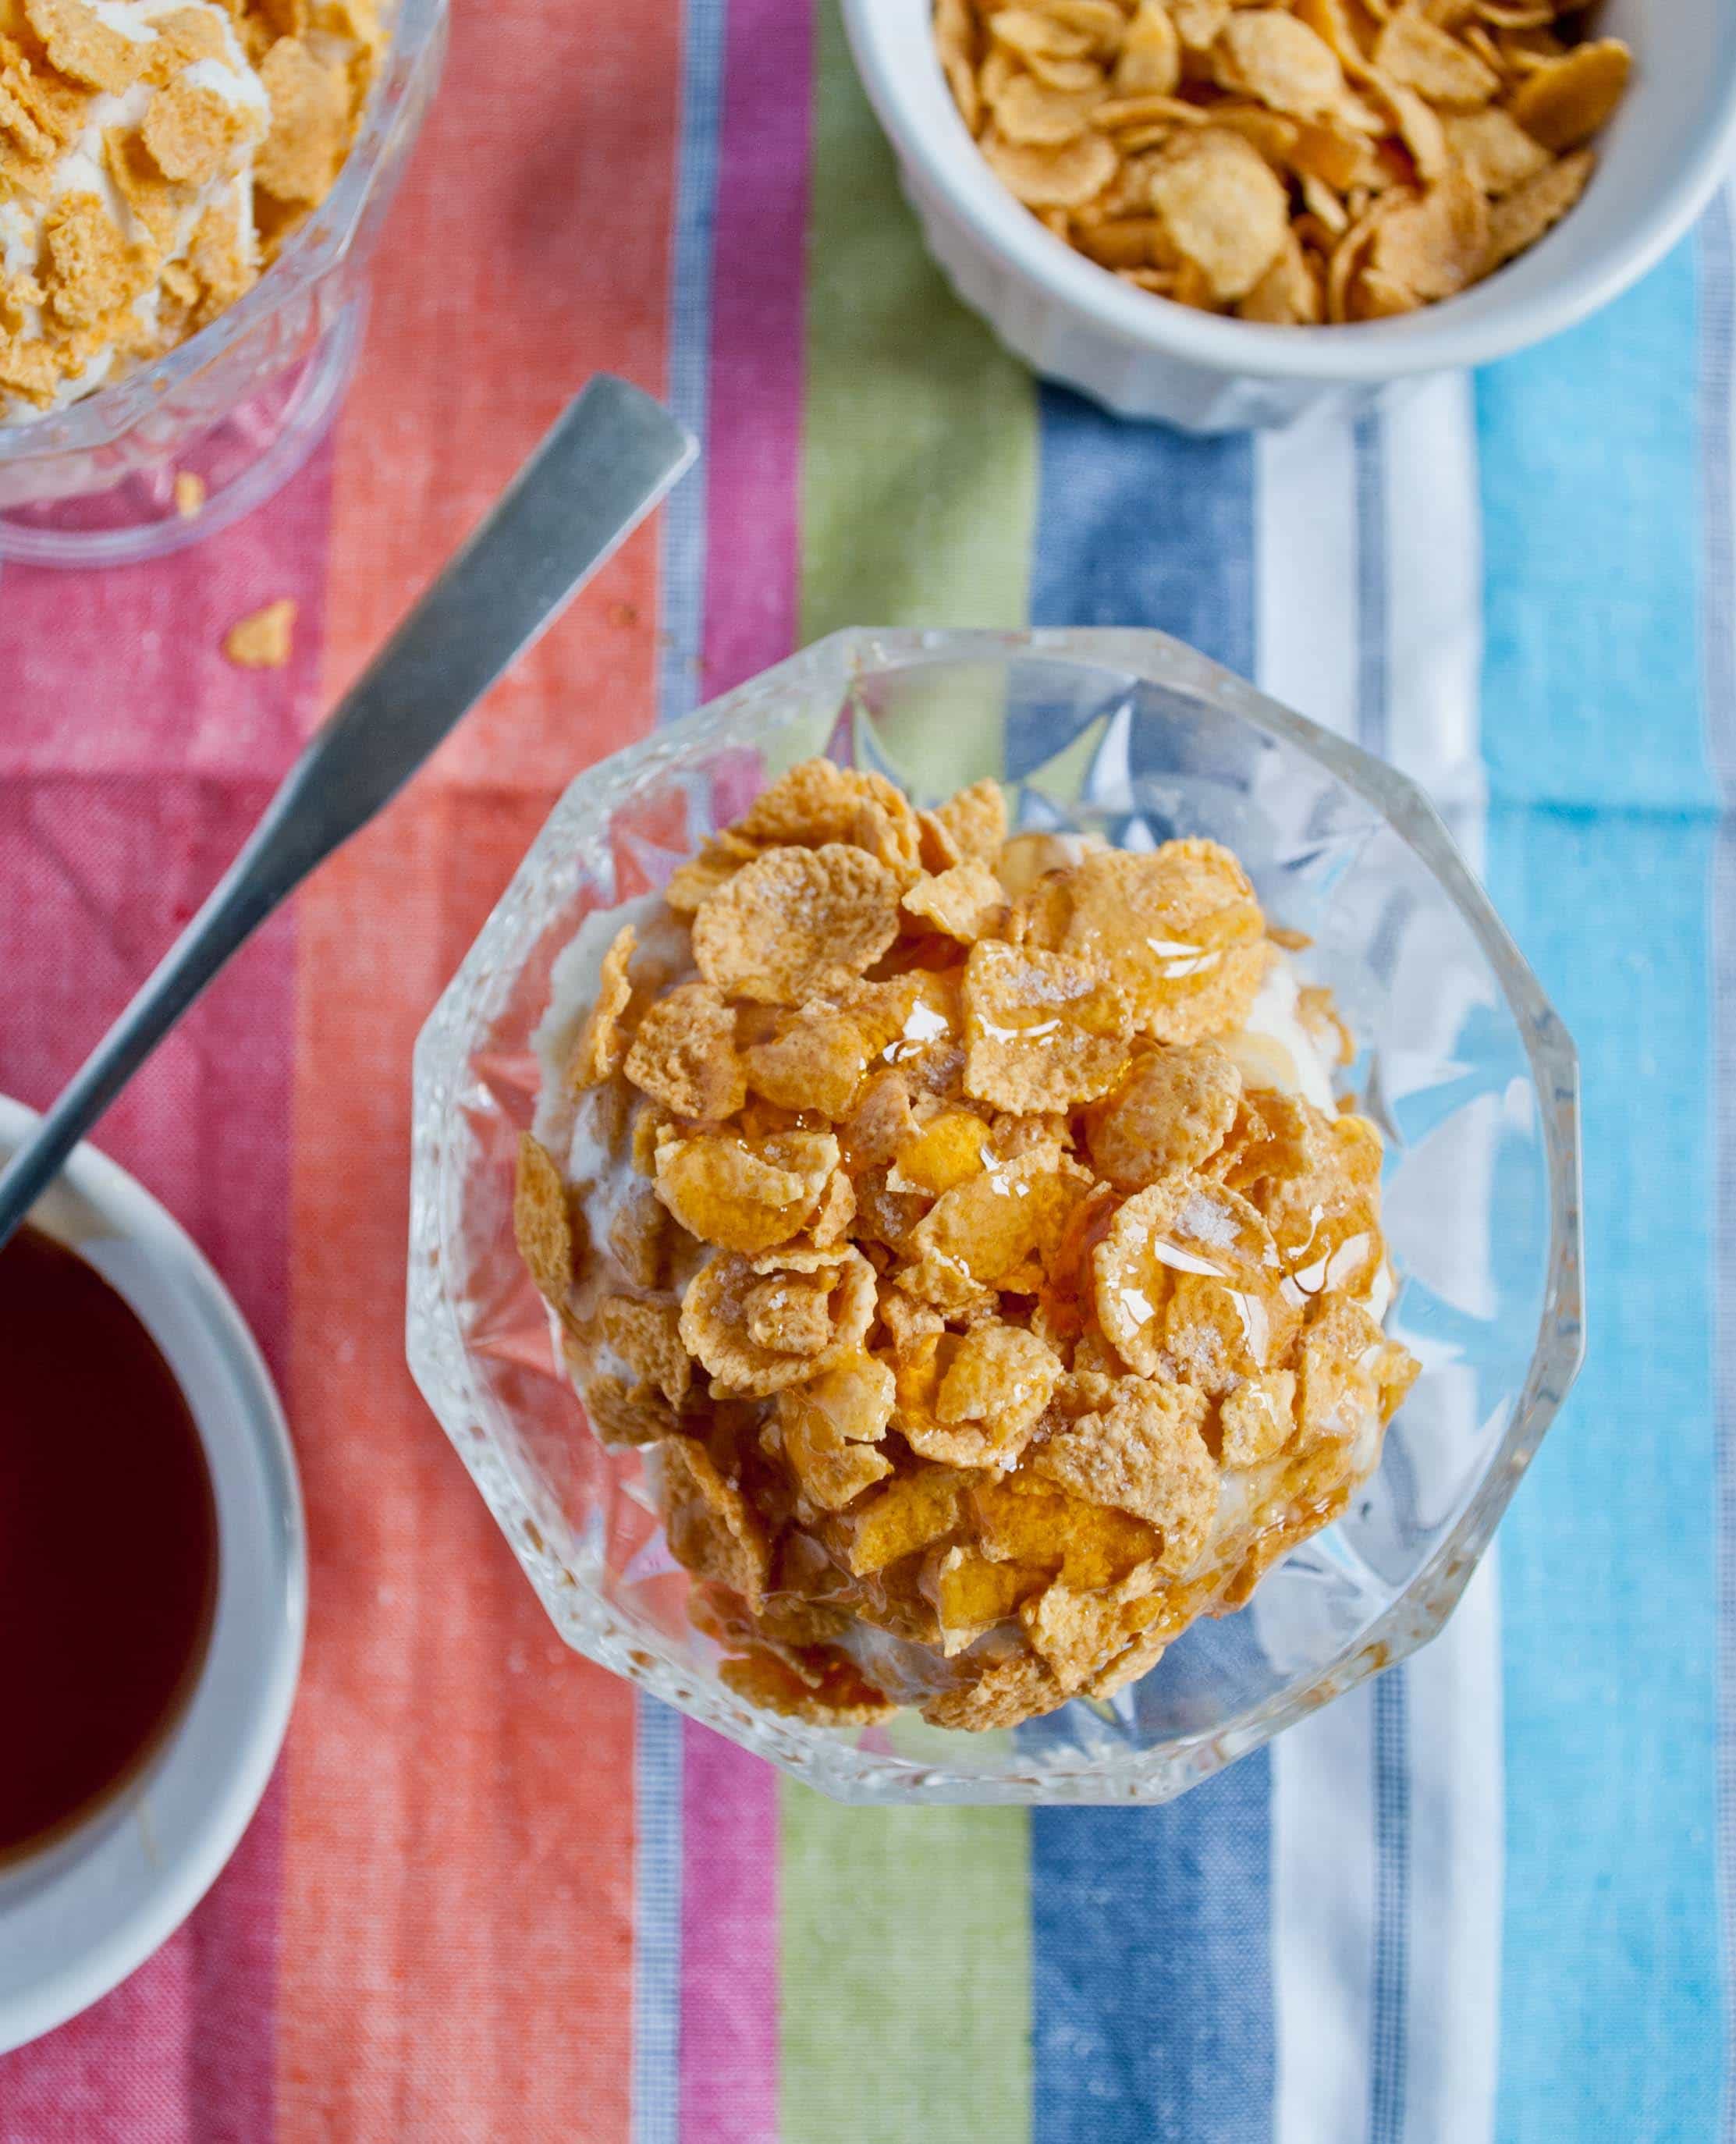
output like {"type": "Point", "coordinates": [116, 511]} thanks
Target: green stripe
{"type": "Point", "coordinates": [919, 441]}
{"type": "Point", "coordinates": [905, 1955]}
{"type": "Point", "coordinates": [905, 2004]}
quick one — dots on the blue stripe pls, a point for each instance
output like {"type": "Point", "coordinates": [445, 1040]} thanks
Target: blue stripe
{"type": "Point", "coordinates": [1138, 526]}
{"type": "Point", "coordinates": [1718, 383]}
{"type": "Point", "coordinates": [1611, 1994]}
{"type": "Point", "coordinates": [657, 1922]}
{"type": "Point", "coordinates": [1592, 537]}
{"type": "Point", "coordinates": [1152, 2013]}
{"type": "Point", "coordinates": [1388, 2037]}
{"type": "Point", "coordinates": [682, 610]}
{"type": "Point", "coordinates": [1369, 449]}
{"type": "Point", "coordinates": [1389, 1997]}
{"type": "Point", "coordinates": [657, 1874]}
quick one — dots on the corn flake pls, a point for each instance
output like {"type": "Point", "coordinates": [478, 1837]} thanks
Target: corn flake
{"type": "Point", "coordinates": [81, 44]}
{"type": "Point", "coordinates": [1015, 1689]}
{"type": "Point", "coordinates": [1177, 930]}
{"type": "Point", "coordinates": [904, 1517]}
{"type": "Point", "coordinates": [1039, 1523]}
{"type": "Point", "coordinates": [948, 1149]}
{"type": "Point", "coordinates": [624, 1414]}
{"type": "Point", "coordinates": [683, 1055]}
{"type": "Point", "coordinates": [1413, 51]}
{"type": "Point", "coordinates": [1078, 1634]}
{"type": "Point", "coordinates": [1494, 151]}
{"type": "Point", "coordinates": [1003, 1226]}
{"type": "Point", "coordinates": [971, 1594]}
{"type": "Point", "coordinates": [312, 122]}
{"type": "Point", "coordinates": [839, 1695]}
{"type": "Point", "coordinates": [1150, 60]}
{"type": "Point", "coordinates": [1144, 1453]}
{"type": "Point", "coordinates": [831, 1426]}
{"type": "Point", "coordinates": [714, 1312]}
{"type": "Point", "coordinates": [1189, 1285]}
{"type": "Point", "coordinates": [602, 1046]}
{"type": "Point", "coordinates": [194, 134]}
{"type": "Point", "coordinates": [1225, 209]}
{"type": "Point", "coordinates": [1041, 1031]}
{"type": "Point", "coordinates": [965, 902]}
{"type": "Point", "coordinates": [1563, 103]}
{"type": "Point", "coordinates": [1173, 1112]}
{"type": "Point", "coordinates": [744, 1194]}
{"type": "Point", "coordinates": [816, 1060]}
{"type": "Point", "coordinates": [795, 920]}
{"type": "Point", "coordinates": [1520, 218]}
{"type": "Point", "coordinates": [265, 639]}
{"type": "Point", "coordinates": [1065, 176]}
{"type": "Point", "coordinates": [1255, 1421]}
{"type": "Point", "coordinates": [1281, 62]}
{"type": "Point", "coordinates": [646, 1338]}
{"type": "Point", "coordinates": [543, 1222]}
{"type": "Point", "coordinates": [713, 1529]}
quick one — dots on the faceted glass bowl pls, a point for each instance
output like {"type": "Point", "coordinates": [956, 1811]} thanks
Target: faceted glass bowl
{"type": "Point", "coordinates": [244, 402]}
{"type": "Point", "coordinates": [1461, 1061]}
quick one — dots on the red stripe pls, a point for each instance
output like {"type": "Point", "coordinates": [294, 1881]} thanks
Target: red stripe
{"type": "Point", "coordinates": [134, 762]}
{"type": "Point", "coordinates": [458, 1870]}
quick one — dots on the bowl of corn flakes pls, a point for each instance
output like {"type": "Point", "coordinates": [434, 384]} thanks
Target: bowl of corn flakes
{"type": "Point", "coordinates": [1222, 213]}
{"type": "Point", "coordinates": [996, 1217]}
{"type": "Point", "coordinates": [190, 195]}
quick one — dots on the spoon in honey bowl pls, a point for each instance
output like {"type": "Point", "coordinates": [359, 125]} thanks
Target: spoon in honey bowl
{"type": "Point", "coordinates": [608, 459]}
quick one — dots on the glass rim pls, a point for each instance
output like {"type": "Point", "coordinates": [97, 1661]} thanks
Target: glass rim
{"type": "Point", "coordinates": [819, 1755]}
{"type": "Point", "coordinates": [101, 418]}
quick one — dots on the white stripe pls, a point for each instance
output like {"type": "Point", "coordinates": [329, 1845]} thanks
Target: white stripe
{"type": "Point", "coordinates": [1304, 565]}
{"type": "Point", "coordinates": [1322, 1772]}
{"type": "Point", "coordinates": [1434, 609]}
{"type": "Point", "coordinates": [1322, 1922]}
{"type": "Point", "coordinates": [1457, 1861]}
{"type": "Point", "coordinates": [1434, 598]}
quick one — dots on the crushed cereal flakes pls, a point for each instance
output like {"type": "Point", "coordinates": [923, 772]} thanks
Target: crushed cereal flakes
{"type": "Point", "coordinates": [959, 1258]}
{"type": "Point", "coordinates": [153, 161]}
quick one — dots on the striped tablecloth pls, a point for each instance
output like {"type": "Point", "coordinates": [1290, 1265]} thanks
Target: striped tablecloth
{"type": "Point", "coordinates": [491, 1894]}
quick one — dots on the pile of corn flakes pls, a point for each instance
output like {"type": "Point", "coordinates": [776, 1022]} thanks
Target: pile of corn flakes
{"type": "Point", "coordinates": [136, 199]}
{"type": "Point", "coordinates": [984, 1320]}
{"type": "Point", "coordinates": [1292, 161]}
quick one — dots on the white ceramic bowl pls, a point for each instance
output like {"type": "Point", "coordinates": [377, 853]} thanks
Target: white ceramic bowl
{"type": "Point", "coordinates": [80, 1915]}
{"type": "Point", "coordinates": [1071, 320]}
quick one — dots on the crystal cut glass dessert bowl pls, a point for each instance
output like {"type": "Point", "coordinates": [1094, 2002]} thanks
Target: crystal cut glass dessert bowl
{"type": "Point", "coordinates": [1459, 1061]}
{"type": "Point", "coordinates": [237, 409]}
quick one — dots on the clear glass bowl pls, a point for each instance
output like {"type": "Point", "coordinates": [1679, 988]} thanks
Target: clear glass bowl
{"type": "Point", "coordinates": [244, 402]}
{"type": "Point", "coordinates": [1462, 1062]}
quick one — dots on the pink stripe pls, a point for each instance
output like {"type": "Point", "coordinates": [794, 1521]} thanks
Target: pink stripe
{"type": "Point", "coordinates": [729, 1943]}
{"type": "Point", "coordinates": [729, 2051]}
{"type": "Point", "coordinates": [130, 771]}
{"type": "Point", "coordinates": [753, 438]}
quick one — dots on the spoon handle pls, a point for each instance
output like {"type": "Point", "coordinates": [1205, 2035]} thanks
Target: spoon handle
{"type": "Point", "coordinates": [609, 458]}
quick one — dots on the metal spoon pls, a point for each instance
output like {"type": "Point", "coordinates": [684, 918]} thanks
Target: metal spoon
{"type": "Point", "coordinates": [609, 460]}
